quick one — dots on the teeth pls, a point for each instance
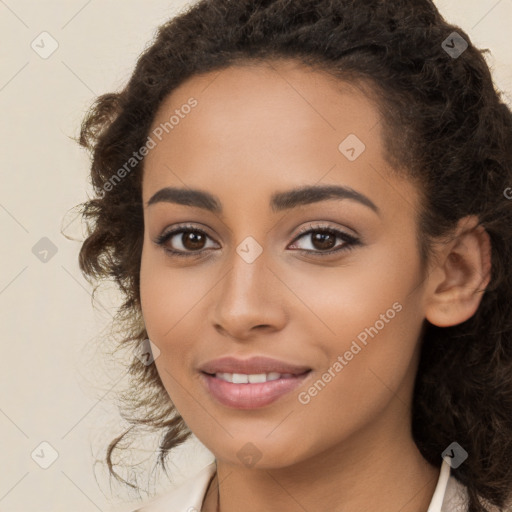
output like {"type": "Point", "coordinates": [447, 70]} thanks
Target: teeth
{"type": "Point", "coordinates": [254, 378]}
{"type": "Point", "coordinates": [239, 378]}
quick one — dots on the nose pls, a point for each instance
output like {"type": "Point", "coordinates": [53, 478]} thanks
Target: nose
{"type": "Point", "coordinates": [249, 300]}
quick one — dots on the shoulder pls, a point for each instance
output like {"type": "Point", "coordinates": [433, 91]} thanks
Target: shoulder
{"type": "Point", "coordinates": [187, 497]}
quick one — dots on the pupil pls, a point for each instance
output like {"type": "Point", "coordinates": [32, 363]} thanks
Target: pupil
{"type": "Point", "coordinates": [322, 238]}
{"type": "Point", "coordinates": [192, 240]}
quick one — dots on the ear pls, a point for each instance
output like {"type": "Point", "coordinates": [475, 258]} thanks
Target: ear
{"type": "Point", "coordinates": [461, 272]}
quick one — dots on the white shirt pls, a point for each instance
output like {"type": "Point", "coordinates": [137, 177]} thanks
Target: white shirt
{"type": "Point", "coordinates": [449, 494]}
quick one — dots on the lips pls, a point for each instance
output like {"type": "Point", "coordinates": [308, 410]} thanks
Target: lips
{"type": "Point", "coordinates": [251, 383]}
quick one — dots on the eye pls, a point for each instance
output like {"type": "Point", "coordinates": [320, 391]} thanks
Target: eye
{"type": "Point", "coordinates": [184, 241]}
{"type": "Point", "coordinates": [190, 241]}
{"type": "Point", "coordinates": [322, 240]}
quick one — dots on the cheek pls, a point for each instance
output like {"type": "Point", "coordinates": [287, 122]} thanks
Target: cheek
{"type": "Point", "coordinates": [165, 301]}
{"type": "Point", "coordinates": [171, 299]}
{"type": "Point", "coordinates": [168, 295]}
{"type": "Point", "coordinates": [369, 352]}
{"type": "Point", "coordinates": [342, 301]}
{"type": "Point", "coordinates": [371, 316]}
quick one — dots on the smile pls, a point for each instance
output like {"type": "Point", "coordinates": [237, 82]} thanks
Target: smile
{"type": "Point", "coordinates": [254, 378]}
{"type": "Point", "coordinates": [250, 391]}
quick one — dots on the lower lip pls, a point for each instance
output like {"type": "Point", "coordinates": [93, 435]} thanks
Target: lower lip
{"type": "Point", "coordinates": [251, 396]}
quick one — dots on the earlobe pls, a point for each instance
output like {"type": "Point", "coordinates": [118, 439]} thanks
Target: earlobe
{"type": "Point", "coordinates": [462, 273]}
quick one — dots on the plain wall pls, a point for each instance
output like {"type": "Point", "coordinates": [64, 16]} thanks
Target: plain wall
{"type": "Point", "coordinates": [55, 385]}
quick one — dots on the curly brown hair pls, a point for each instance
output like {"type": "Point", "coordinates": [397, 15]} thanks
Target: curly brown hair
{"type": "Point", "coordinates": [446, 127]}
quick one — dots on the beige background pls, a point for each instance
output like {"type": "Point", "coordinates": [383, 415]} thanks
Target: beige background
{"type": "Point", "coordinates": [54, 381]}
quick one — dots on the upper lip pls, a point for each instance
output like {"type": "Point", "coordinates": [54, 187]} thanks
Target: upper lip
{"type": "Point", "coordinates": [253, 365]}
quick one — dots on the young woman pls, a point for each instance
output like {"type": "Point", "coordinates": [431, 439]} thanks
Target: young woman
{"type": "Point", "coordinates": [306, 205]}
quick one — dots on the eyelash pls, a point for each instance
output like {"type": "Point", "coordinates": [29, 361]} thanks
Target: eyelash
{"type": "Point", "coordinates": [350, 241]}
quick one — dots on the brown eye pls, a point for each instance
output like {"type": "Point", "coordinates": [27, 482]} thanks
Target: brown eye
{"type": "Point", "coordinates": [184, 241]}
{"type": "Point", "coordinates": [193, 240]}
{"type": "Point", "coordinates": [322, 241]}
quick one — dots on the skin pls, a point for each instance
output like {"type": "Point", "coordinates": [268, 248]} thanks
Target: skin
{"type": "Point", "coordinates": [257, 130]}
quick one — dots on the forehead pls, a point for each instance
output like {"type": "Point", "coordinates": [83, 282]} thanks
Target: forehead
{"type": "Point", "coordinates": [267, 126]}
{"type": "Point", "coordinates": [273, 94]}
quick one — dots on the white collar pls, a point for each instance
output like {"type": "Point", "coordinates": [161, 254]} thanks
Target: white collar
{"type": "Point", "coordinates": [449, 495]}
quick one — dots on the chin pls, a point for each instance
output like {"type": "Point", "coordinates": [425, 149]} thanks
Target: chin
{"type": "Point", "coordinates": [258, 453]}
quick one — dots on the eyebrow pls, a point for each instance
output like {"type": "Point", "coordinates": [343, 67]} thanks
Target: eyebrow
{"type": "Point", "coordinates": [279, 201]}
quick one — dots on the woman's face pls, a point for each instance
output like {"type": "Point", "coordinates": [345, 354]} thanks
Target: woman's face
{"type": "Point", "coordinates": [329, 284]}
